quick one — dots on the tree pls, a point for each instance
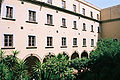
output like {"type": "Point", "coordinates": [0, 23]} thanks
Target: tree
{"type": "Point", "coordinates": [4, 72]}
{"type": "Point", "coordinates": [21, 71]}
{"type": "Point", "coordinates": [57, 68]}
{"type": "Point", "coordinates": [103, 60]}
{"type": "Point", "coordinates": [81, 64]}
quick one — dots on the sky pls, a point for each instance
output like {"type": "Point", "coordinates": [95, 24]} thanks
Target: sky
{"type": "Point", "coordinates": [104, 3]}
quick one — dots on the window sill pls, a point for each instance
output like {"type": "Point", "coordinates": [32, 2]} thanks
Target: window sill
{"type": "Point", "coordinates": [74, 46]}
{"type": "Point", "coordinates": [92, 46]}
{"type": "Point", "coordinates": [84, 30]}
{"type": "Point", "coordinates": [84, 46]}
{"type": "Point", "coordinates": [49, 47]}
{"type": "Point", "coordinates": [63, 46]}
{"type": "Point", "coordinates": [32, 22]}
{"type": "Point", "coordinates": [8, 48]}
{"type": "Point", "coordinates": [49, 24]}
{"type": "Point", "coordinates": [63, 26]}
{"type": "Point", "coordinates": [75, 28]}
{"type": "Point", "coordinates": [9, 19]}
{"type": "Point", "coordinates": [91, 31]}
{"type": "Point", "coordinates": [31, 47]}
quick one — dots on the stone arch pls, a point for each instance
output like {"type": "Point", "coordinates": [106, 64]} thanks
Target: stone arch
{"type": "Point", "coordinates": [84, 54]}
{"type": "Point", "coordinates": [75, 55]}
{"type": "Point", "coordinates": [31, 61]}
{"type": "Point", "coordinates": [33, 55]}
{"type": "Point", "coordinates": [47, 56]}
{"type": "Point", "coordinates": [65, 54]}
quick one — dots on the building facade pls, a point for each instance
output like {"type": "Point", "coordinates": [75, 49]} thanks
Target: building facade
{"type": "Point", "coordinates": [48, 27]}
{"type": "Point", "coordinates": [111, 23]}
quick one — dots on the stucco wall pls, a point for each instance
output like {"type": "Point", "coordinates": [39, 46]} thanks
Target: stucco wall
{"type": "Point", "coordinates": [41, 31]}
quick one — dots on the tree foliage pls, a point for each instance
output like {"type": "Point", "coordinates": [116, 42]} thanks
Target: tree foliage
{"type": "Point", "coordinates": [104, 61]}
{"type": "Point", "coordinates": [57, 68]}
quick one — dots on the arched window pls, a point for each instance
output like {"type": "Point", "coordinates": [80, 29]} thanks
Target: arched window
{"type": "Point", "coordinates": [74, 55]}
{"type": "Point", "coordinates": [31, 61]}
{"type": "Point", "coordinates": [48, 57]}
{"type": "Point", "coordinates": [84, 54]}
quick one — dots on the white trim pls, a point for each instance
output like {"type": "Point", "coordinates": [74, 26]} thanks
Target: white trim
{"type": "Point", "coordinates": [46, 41]}
{"type": "Point", "coordinates": [61, 41]}
{"type": "Point", "coordinates": [52, 18]}
{"type": "Point", "coordinates": [27, 18]}
{"type": "Point", "coordinates": [8, 34]}
{"type": "Point", "coordinates": [35, 39]}
{"type": "Point", "coordinates": [73, 24]}
{"type": "Point", "coordinates": [4, 10]}
{"type": "Point", "coordinates": [65, 21]}
{"type": "Point", "coordinates": [73, 40]}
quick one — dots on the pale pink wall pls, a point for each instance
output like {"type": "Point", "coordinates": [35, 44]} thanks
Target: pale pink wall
{"type": "Point", "coordinates": [41, 31]}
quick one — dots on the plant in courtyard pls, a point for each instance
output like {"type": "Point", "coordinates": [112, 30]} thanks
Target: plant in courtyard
{"type": "Point", "coordinates": [36, 72]}
{"type": "Point", "coordinates": [56, 68]}
{"type": "Point", "coordinates": [4, 72]}
{"type": "Point", "coordinates": [80, 64]}
{"type": "Point", "coordinates": [11, 68]}
{"type": "Point", "coordinates": [104, 61]}
{"type": "Point", "coordinates": [21, 71]}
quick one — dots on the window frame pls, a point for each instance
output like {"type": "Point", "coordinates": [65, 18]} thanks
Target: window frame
{"type": "Point", "coordinates": [3, 42]}
{"type": "Point", "coordinates": [92, 42]}
{"type": "Point", "coordinates": [74, 24]}
{"type": "Point", "coordinates": [30, 38]}
{"type": "Point", "coordinates": [84, 42]}
{"type": "Point", "coordinates": [84, 27]}
{"type": "Point", "coordinates": [91, 14]}
{"type": "Point", "coordinates": [49, 1]}
{"type": "Point", "coordinates": [99, 29]}
{"type": "Point", "coordinates": [63, 4]}
{"type": "Point", "coordinates": [63, 22]}
{"type": "Point", "coordinates": [63, 41]}
{"type": "Point", "coordinates": [98, 17]}
{"type": "Point", "coordinates": [49, 41]}
{"type": "Point", "coordinates": [3, 14]}
{"type": "Point", "coordinates": [32, 16]}
{"type": "Point", "coordinates": [8, 40]}
{"type": "Point", "coordinates": [83, 11]}
{"type": "Point", "coordinates": [92, 28]}
{"type": "Point", "coordinates": [74, 8]}
{"type": "Point", "coordinates": [49, 19]}
{"type": "Point", "coordinates": [74, 41]}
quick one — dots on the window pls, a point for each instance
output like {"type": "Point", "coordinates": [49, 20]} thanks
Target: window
{"type": "Point", "coordinates": [31, 41]}
{"type": "Point", "coordinates": [83, 10]}
{"type": "Point", "coordinates": [74, 24]}
{"type": "Point", "coordinates": [63, 4]}
{"type": "Point", "coordinates": [50, 1]}
{"type": "Point", "coordinates": [8, 40]}
{"type": "Point", "coordinates": [49, 19]}
{"type": "Point", "coordinates": [50, 41]}
{"type": "Point", "coordinates": [74, 8]}
{"type": "Point", "coordinates": [9, 12]}
{"type": "Point", "coordinates": [99, 30]}
{"type": "Point", "coordinates": [74, 41]}
{"type": "Point", "coordinates": [84, 27]}
{"type": "Point", "coordinates": [84, 42]}
{"type": "Point", "coordinates": [92, 28]}
{"type": "Point", "coordinates": [91, 14]}
{"type": "Point", "coordinates": [32, 16]}
{"type": "Point", "coordinates": [64, 22]}
{"type": "Point", "coordinates": [92, 42]}
{"type": "Point", "coordinates": [63, 41]}
{"type": "Point", "coordinates": [98, 16]}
